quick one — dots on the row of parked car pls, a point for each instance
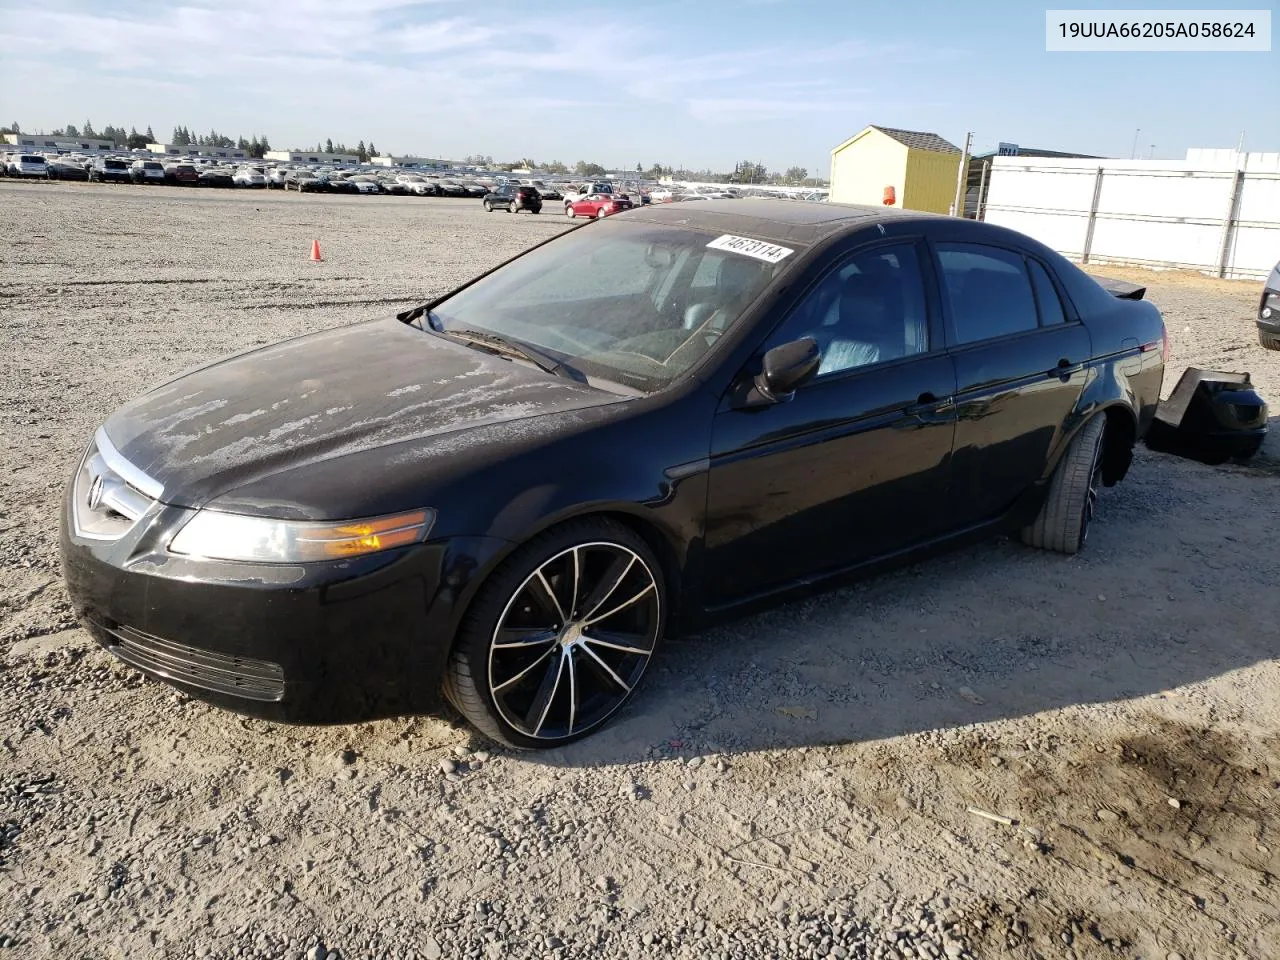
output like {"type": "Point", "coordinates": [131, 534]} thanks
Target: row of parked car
{"type": "Point", "coordinates": [498, 192]}
{"type": "Point", "coordinates": [602, 198]}
{"type": "Point", "coordinates": [117, 170]}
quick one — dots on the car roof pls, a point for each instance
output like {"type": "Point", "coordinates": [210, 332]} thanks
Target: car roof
{"type": "Point", "coordinates": [773, 219]}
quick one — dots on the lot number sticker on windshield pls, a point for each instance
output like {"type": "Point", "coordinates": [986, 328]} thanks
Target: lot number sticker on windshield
{"type": "Point", "coordinates": [768, 252]}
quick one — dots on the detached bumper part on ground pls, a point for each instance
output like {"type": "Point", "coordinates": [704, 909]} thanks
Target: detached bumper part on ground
{"type": "Point", "coordinates": [1212, 416]}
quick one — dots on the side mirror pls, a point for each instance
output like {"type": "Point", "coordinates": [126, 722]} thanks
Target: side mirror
{"type": "Point", "coordinates": [788, 367]}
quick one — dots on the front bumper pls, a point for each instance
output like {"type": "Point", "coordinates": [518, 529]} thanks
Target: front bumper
{"type": "Point", "coordinates": [305, 643]}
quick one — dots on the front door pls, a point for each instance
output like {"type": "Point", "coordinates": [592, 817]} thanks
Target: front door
{"type": "Point", "coordinates": [1021, 364]}
{"type": "Point", "coordinates": [856, 465]}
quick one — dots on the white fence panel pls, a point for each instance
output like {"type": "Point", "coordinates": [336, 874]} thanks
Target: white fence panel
{"type": "Point", "coordinates": [1156, 213]}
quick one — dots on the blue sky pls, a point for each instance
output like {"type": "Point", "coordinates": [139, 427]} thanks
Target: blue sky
{"type": "Point", "coordinates": [702, 83]}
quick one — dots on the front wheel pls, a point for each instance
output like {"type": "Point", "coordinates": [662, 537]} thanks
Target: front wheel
{"type": "Point", "coordinates": [1269, 341]}
{"type": "Point", "coordinates": [559, 636]}
{"type": "Point", "coordinates": [488, 207]}
{"type": "Point", "coordinates": [600, 214]}
{"type": "Point", "coordinates": [1063, 522]}
{"type": "Point", "coordinates": [568, 212]}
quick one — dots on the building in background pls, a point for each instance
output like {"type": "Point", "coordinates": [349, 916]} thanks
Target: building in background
{"type": "Point", "coordinates": [306, 156]}
{"type": "Point", "coordinates": [191, 150]}
{"type": "Point", "coordinates": [978, 175]}
{"type": "Point", "coordinates": [412, 163]}
{"type": "Point", "coordinates": [41, 141]}
{"type": "Point", "coordinates": [917, 170]}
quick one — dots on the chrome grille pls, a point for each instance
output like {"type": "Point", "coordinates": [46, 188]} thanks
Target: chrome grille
{"type": "Point", "coordinates": [110, 493]}
{"type": "Point", "coordinates": [239, 676]}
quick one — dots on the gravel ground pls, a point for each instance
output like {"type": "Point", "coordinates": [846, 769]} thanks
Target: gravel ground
{"type": "Point", "coordinates": [797, 784]}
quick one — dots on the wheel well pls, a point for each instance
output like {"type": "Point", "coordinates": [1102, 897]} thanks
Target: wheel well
{"type": "Point", "coordinates": [661, 547]}
{"type": "Point", "coordinates": [1117, 444]}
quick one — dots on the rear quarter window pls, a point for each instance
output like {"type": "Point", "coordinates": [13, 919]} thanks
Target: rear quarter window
{"type": "Point", "coordinates": [1047, 299]}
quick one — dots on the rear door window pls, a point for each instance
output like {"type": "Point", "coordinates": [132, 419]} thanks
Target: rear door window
{"type": "Point", "coordinates": [988, 292]}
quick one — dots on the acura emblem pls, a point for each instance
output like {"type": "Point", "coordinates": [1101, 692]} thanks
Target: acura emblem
{"type": "Point", "coordinates": [95, 492]}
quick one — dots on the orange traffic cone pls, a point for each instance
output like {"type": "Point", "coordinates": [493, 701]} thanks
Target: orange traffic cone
{"type": "Point", "coordinates": [315, 251]}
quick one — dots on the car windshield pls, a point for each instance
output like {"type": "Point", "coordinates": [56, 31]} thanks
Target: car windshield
{"type": "Point", "coordinates": [634, 304]}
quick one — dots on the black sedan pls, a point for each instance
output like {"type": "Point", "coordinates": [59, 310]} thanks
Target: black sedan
{"type": "Point", "coordinates": [216, 177]}
{"type": "Point", "coordinates": [67, 170]}
{"type": "Point", "coordinates": [305, 180]}
{"type": "Point", "coordinates": [636, 428]}
{"type": "Point", "coordinates": [513, 198]}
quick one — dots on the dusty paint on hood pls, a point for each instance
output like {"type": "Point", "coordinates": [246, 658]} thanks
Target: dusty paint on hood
{"type": "Point", "coordinates": [325, 395]}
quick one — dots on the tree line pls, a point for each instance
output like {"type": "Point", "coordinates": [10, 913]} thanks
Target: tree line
{"type": "Point", "coordinates": [746, 171]}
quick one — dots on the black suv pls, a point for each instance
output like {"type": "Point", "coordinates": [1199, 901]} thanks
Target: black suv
{"type": "Point", "coordinates": [1269, 311]}
{"type": "Point", "coordinates": [515, 197]}
{"type": "Point", "coordinates": [107, 170]}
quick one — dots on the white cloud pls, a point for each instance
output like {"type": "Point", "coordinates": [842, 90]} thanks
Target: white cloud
{"type": "Point", "coordinates": [420, 72]}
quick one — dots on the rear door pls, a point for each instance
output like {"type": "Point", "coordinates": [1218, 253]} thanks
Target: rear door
{"type": "Point", "coordinates": [1021, 365]}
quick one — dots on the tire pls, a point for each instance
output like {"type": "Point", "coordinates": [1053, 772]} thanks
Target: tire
{"type": "Point", "coordinates": [568, 212]}
{"type": "Point", "coordinates": [1063, 523]}
{"type": "Point", "coordinates": [600, 214]}
{"type": "Point", "coordinates": [552, 683]}
{"type": "Point", "coordinates": [1269, 341]}
{"type": "Point", "coordinates": [535, 209]}
{"type": "Point", "coordinates": [488, 207]}
{"type": "Point", "coordinates": [511, 208]}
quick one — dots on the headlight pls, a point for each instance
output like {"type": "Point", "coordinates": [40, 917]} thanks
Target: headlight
{"type": "Point", "coordinates": [232, 536]}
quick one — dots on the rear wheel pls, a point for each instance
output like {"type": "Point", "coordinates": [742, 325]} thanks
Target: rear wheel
{"type": "Point", "coordinates": [1269, 340]}
{"type": "Point", "coordinates": [568, 212]}
{"type": "Point", "coordinates": [488, 207]}
{"type": "Point", "coordinates": [559, 636]}
{"type": "Point", "coordinates": [1063, 523]}
{"type": "Point", "coordinates": [601, 214]}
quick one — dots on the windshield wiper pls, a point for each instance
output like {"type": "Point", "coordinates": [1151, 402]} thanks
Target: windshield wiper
{"type": "Point", "coordinates": [501, 344]}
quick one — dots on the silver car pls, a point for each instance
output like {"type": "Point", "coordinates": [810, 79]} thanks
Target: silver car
{"type": "Point", "coordinates": [28, 165]}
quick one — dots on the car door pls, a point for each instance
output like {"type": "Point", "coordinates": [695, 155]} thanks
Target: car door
{"type": "Point", "coordinates": [1021, 364]}
{"type": "Point", "coordinates": [856, 465]}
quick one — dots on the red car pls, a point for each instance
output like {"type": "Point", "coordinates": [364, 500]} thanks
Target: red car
{"type": "Point", "coordinates": [183, 173]}
{"type": "Point", "coordinates": [599, 205]}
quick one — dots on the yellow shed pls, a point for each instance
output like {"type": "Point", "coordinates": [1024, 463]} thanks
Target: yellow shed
{"type": "Point", "coordinates": [920, 167]}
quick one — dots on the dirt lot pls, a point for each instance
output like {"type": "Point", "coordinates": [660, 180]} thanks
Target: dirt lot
{"type": "Point", "coordinates": [794, 785]}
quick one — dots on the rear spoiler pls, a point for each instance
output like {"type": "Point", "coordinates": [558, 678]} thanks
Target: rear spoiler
{"type": "Point", "coordinates": [1121, 289]}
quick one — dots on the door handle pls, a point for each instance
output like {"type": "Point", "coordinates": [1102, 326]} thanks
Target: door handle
{"type": "Point", "coordinates": [928, 403]}
{"type": "Point", "coordinates": [1065, 369]}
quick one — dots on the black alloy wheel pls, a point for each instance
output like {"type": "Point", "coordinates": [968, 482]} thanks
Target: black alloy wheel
{"type": "Point", "coordinates": [560, 635]}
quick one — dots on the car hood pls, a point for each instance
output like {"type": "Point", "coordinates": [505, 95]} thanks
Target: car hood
{"type": "Point", "coordinates": [325, 395]}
